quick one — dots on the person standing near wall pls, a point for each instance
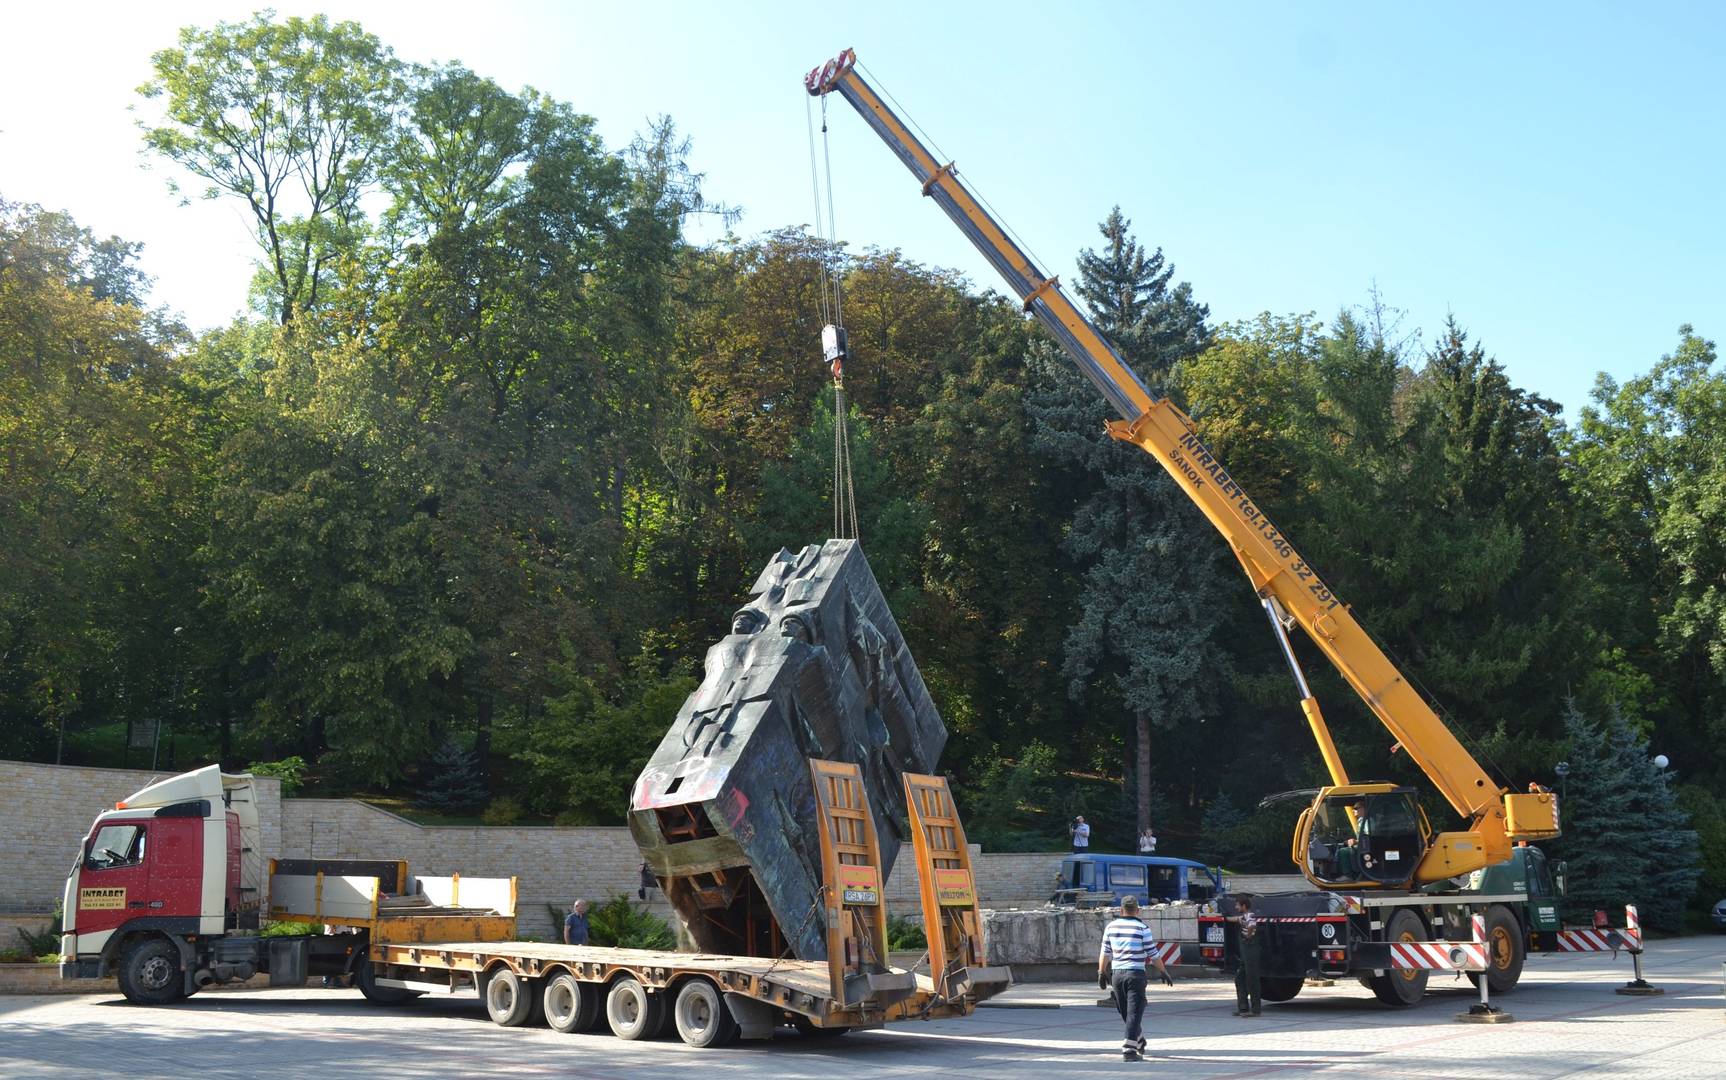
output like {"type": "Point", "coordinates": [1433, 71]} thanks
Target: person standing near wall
{"type": "Point", "coordinates": [1128, 948]}
{"type": "Point", "coordinates": [575, 924]}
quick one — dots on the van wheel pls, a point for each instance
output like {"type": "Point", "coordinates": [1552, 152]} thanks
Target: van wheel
{"type": "Point", "coordinates": [1396, 987]}
{"type": "Point", "coordinates": [632, 1012]}
{"type": "Point", "coordinates": [509, 1000]}
{"type": "Point", "coordinates": [1504, 951]}
{"type": "Point", "coordinates": [570, 1004]}
{"type": "Point", "coordinates": [150, 972]}
{"type": "Point", "coordinates": [703, 1018]}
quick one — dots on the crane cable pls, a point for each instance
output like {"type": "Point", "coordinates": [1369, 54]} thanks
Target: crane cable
{"type": "Point", "coordinates": [844, 491]}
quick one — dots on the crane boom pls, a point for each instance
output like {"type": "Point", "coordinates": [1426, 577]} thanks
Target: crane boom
{"type": "Point", "coordinates": [1289, 587]}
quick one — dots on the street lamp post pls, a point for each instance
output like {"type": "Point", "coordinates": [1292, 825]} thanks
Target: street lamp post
{"type": "Point", "coordinates": [1563, 771]}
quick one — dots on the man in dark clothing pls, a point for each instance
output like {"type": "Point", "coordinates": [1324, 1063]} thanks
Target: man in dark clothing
{"type": "Point", "coordinates": [1247, 999]}
{"type": "Point", "coordinates": [648, 882]}
{"type": "Point", "coordinates": [575, 924]}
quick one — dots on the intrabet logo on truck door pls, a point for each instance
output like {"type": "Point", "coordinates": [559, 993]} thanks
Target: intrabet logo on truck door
{"type": "Point", "coordinates": [101, 899]}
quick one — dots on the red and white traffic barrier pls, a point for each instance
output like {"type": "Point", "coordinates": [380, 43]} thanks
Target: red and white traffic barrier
{"type": "Point", "coordinates": [1442, 955]}
{"type": "Point", "coordinates": [1605, 938]}
{"type": "Point", "coordinates": [1169, 952]}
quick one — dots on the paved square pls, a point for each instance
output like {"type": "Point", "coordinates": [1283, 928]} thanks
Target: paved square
{"type": "Point", "coordinates": [1568, 1022]}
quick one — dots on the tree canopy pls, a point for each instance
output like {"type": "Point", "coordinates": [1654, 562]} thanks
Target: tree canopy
{"type": "Point", "coordinates": [491, 460]}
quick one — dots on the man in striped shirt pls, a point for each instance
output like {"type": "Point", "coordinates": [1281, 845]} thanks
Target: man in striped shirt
{"type": "Point", "coordinates": [1121, 966]}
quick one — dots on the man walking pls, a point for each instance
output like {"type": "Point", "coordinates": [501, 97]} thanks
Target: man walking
{"type": "Point", "coordinates": [1127, 947]}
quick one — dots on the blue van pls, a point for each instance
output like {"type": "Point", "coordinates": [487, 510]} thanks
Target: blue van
{"type": "Point", "coordinates": [1096, 880]}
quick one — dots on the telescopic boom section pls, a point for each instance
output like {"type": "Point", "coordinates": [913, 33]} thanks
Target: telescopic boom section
{"type": "Point", "coordinates": [1162, 430]}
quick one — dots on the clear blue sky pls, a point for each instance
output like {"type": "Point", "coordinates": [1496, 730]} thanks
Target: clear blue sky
{"type": "Point", "coordinates": [1554, 174]}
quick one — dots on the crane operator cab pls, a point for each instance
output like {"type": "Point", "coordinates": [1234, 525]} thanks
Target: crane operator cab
{"type": "Point", "coordinates": [1371, 838]}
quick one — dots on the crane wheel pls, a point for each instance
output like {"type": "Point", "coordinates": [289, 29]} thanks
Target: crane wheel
{"type": "Point", "coordinates": [1280, 988]}
{"type": "Point", "coordinates": [1402, 988]}
{"type": "Point", "coordinates": [1505, 951]}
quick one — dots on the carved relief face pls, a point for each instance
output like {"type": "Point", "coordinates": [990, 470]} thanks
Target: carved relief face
{"type": "Point", "coordinates": [748, 621]}
{"type": "Point", "coordinates": [798, 628]}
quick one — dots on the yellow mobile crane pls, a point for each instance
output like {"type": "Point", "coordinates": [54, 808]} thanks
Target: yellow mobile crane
{"type": "Point", "coordinates": [1395, 852]}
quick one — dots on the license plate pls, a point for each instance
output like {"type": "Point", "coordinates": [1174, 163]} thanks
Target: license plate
{"type": "Point", "coordinates": [1213, 933]}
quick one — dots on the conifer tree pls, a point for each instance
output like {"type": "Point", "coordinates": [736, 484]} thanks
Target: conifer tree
{"type": "Point", "coordinates": [453, 780]}
{"type": "Point", "coordinates": [1144, 639]}
{"type": "Point", "coordinates": [1625, 838]}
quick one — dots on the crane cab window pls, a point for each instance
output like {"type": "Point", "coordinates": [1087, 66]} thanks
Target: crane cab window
{"type": "Point", "coordinates": [115, 845]}
{"type": "Point", "coordinates": [1365, 837]}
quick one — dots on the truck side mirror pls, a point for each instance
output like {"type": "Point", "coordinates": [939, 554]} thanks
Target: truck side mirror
{"type": "Point", "coordinates": [1558, 877]}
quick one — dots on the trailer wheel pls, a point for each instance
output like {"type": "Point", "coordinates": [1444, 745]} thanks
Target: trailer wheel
{"type": "Point", "coordinates": [1395, 987]}
{"type": "Point", "coordinates": [702, 1016]}
{"type": "Point", "coordinates": [1504, 951]}
{"type": "Point", "coordinates": [632, 1012]}
{"type": "Point", "coordinates": [1280, 987]}
{"type": "Point", "coordinates": [570, 1004]}
{"type": "Point", "coordinates": [509, 1000]}
{"type": "Point", "coordinates": [366, 978]}
{"type": "Point", "coordinates": [150, 972]}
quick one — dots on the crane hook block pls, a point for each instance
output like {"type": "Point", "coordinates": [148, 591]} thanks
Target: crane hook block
{"type": "Point", "coordinates": [823, 78]}
{"type": "Point", "coordinates": [832, 343]}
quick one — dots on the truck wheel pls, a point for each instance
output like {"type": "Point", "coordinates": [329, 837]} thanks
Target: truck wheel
{"type": "Point", "coordinates": [1504, 951]}
{"type": "Point", "coordinates": [632, 1012]}
{"type": "Point", "coordinates": [509, 1000]}
{"type": "Point", "coordinates": [1395, 987]}
{"type": "Point", "coordinates": [703, 1018]}
{"type": "Point", "coordinates": [366, 978]}
{"type": "Point", "coordinates": [150, 972]}
{"type": "Point", "coordinates": [570, 1004]}
{"type": "Point", "coordinates": [1280, 987]}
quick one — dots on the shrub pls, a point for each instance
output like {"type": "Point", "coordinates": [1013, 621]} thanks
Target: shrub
{"type": "Point", "coordinates": [291, 929]}
{"type": "Point", "coordinates": [903, 936]}
{"type": "Point", "coordinates": [620, 923]}
{"type": "Point", "coordinates": [291, 771]}
{"type": "Point", "coordinates": [502, 811]}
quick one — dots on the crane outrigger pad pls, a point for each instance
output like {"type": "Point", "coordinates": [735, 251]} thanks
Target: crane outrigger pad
{"type": "Point", "coordinates": [814, 667]}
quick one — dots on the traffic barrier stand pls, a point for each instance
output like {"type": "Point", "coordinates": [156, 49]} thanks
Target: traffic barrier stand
{"type": "Point", "coordinates": [1612, 939]}
{"type": "Point", "coordinates": [1637, 986]}
{"type": "Point", "coordinates": [1483, 1011]}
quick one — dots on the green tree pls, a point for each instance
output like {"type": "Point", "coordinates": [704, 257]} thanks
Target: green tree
{"type": "Point", "coordinates": [1626, 840]}
{"type": "Point", "coordinates": [1150, 603]}
{"type": "Point", "coordinates": [451, 780]}
{"type": "Point", "coordinates": [292, 118]}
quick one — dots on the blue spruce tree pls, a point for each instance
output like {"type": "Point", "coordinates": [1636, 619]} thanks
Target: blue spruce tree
{"type": "Point", "coordinates": [1625, 838]}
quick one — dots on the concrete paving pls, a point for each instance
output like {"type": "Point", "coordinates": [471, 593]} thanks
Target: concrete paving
{"type": "Point", "coordinates": [1568, 1021]}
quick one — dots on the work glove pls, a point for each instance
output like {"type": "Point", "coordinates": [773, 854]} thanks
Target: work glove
{"type": "Point", "coordinates": [1168, 980]}
{"type": "Point", "coordinates": [1102, 980]}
